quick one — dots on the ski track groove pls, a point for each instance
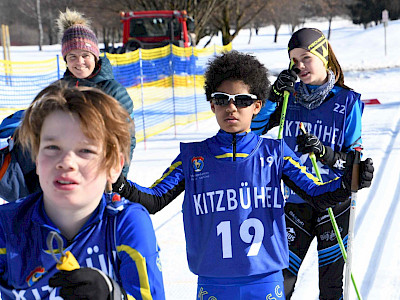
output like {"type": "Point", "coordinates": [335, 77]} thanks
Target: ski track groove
{"type": "Point", "coordinates": [380, 243]}
{"type": "Point", "coordinates": [377, 253]}
{"type": "Point", "coordinates": [168, 220]}
{"type": "Point", "coordinates": [378, 176]}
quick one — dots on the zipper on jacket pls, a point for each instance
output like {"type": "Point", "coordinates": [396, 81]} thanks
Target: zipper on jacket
{"type": "Point", "coordinates": [234, 146]}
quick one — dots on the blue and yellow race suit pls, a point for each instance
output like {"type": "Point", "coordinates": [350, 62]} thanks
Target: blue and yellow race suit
{"type": "Point", "coordinates": [118, 239]}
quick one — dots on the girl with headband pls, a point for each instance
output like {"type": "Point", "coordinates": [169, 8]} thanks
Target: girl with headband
{"type": "Point", "coordinates": [331, 113]}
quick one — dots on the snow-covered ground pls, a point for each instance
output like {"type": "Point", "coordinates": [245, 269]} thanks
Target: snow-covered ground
{"type": "Point", "coordinates": [361, 53]}
{"type": "Point", "coordinates": [376, 255]}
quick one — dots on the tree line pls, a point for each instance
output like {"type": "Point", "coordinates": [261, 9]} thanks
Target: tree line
{"type": "Point", "coordinates": [33, 21]}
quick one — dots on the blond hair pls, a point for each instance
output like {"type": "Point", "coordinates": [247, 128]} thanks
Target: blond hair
{"type": "Point", "coordinates": [102, 119]}
{"type": "Point", "coordinates": [335, 67]}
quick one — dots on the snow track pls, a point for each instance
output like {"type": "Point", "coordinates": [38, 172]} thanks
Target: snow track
{"type": "Point", "coordinates": [376, 255]}
{"type": "Point", "coordinates": [379, 216]}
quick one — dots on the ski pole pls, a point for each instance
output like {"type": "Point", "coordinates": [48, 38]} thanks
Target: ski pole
{"type": "Point", "coordinates": [350, 235]}
{"type": "Point", "coordinates": [283, 113]}
{"type": "Point", "coordinates": [286, 95]}
{"type": "Point", "coordinates": [331, 215]}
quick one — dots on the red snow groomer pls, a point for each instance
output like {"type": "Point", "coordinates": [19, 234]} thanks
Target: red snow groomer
{"type": "Point", "coordinates": [155, 28]}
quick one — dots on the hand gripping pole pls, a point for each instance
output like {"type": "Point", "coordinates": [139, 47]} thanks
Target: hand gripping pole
{"type": "Point", "coordinates": [334, 224]}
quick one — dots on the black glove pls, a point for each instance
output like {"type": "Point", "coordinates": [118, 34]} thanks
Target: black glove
{"type": "Point", "coordinates": [86, 283]}
{"type": "Point", "coordinates": [310, 143]}
{"type": "Point", "coordinates": [121, 186]}
{"type": "Point", "coordinates": [284, 82]}
{"type": "Point", "coordinates": [366, 172]}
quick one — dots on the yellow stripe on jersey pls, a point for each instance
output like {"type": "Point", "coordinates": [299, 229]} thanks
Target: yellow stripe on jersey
{"type": "Point", "coordinates": [231, 155]}
{"type": "Point", "coordinates": [171, 168]}
{"type": "Point", "coordinates": [140, 262]}
{"type": "Point", "coordinates": [55, 251]}
{"type": "Point", "coordinates": [304, 171]}
{"type": "Point", "coordinates": [3, 250]}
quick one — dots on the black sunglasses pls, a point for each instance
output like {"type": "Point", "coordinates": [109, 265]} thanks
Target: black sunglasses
{"type": "Point", "coordinates": [240, 100]}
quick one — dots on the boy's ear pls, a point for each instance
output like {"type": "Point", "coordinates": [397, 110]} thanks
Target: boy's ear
{"type": "Point", "coordinates": [257, 106]}
{"type": "Point", "coordinates": [116, 171]}
{"type": "Point", "coordinates": [212, 107]}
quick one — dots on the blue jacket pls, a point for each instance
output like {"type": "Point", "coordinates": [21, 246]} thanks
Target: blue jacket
{"type": "Point", "coordinates": [231, 180]}
{"type": "Point", "coordinates": [17, 170]}
{"type": "Point", "coordinates": [18, 176]}
{"type": "Point", "coordinates": [118, 239]}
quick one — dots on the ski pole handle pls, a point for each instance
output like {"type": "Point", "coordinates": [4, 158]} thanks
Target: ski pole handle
{"type": "Point", "coordinates": [286, 95]}
{"type": "Point", "coordinates": [355, 177]}
{"type": "Point", "coordinates": [312, 156]}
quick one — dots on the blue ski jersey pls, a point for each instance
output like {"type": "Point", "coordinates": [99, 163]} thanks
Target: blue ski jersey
{"type": "Point", "coordinates": [118, 239]}
{"type": "Point", "coordinates": [233, 204]}
{"type": "Point", "coordinates": [233, 211]}
{"type": "Point", "coordinates": [336, 122]}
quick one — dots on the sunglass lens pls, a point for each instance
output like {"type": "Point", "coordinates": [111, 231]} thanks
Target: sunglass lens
{"type": "Point", "coordinates": [243, 100]}
{"type": "Point", "coordinates": [221, 99]}
{"type": "Point", "coordinates": [240, 100]}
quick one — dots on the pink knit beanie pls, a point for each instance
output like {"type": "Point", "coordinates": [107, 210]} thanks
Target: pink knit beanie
{"type": "Point", "coordinates": [76, 34]}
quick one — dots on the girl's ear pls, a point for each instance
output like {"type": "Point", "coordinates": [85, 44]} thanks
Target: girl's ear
{"type": "Point", "coordinates": [116, 171]}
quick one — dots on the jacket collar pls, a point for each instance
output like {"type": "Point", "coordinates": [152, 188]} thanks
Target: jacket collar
{"type": "Point", "coordinates": [41, 218]}
{"type": "Point", "coordinates": [224, 137]}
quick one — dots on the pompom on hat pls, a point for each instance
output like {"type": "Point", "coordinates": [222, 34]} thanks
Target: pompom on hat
{"type": "Point", "coordinates": [310, 39]}
{"type": "Point", "coordinates": [76, 34]}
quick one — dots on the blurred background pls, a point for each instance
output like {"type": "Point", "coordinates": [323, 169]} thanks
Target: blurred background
{"type": "Point", "coordinates": [32, 22]}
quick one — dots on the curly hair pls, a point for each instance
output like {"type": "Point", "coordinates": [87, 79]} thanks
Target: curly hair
{"type": "Point", "coordinates": [235, 65]}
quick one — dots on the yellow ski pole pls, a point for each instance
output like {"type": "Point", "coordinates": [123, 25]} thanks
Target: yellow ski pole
{"type": "Point", "coordinates": [331, 215]}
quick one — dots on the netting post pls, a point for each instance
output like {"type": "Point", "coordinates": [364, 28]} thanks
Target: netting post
{"type": "Point", "coordinates": [142, 96]}
{"type": "Point", "coordinates": [5, 37]}
{"type": "Point", "coordinates": [58, 67]}
{"type": "Point", "coordinates": [172, 71]}
{"type": "Point", "coordinates": [194, 86]}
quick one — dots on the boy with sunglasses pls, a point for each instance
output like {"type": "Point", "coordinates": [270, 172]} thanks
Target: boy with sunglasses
{"type": "Point", "coordinates": [233, 209]}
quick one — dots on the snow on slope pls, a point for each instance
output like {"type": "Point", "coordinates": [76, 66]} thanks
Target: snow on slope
{"type": "Point", "coordinates": [376, 260]}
